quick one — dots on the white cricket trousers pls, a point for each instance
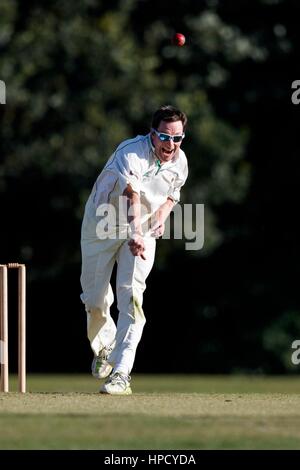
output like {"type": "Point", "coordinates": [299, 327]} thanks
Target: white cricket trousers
{"type": "Point", "coordinates": [98, 259]}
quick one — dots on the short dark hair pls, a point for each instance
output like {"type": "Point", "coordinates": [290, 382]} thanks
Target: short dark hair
{"type": "Point", "coordinates": [168, 113]}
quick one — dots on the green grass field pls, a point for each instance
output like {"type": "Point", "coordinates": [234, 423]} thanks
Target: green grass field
{"type": "Point", "coordinates": [165, 412]}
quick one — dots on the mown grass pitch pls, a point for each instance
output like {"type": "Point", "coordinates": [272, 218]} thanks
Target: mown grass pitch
{"type": "Point", "coordinates": [165, 412]}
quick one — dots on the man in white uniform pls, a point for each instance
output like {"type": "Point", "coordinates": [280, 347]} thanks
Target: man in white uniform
{"type": "Point", "coordinates": [125, 213]}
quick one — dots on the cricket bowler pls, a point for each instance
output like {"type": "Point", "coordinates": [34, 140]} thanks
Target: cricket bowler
{"type": "Point", "coordinates": [125, 213]}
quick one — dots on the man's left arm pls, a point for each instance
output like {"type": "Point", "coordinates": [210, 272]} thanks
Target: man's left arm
{"type": "Point", "coordinates": [161, 216]}
{"type": "Point", "coordinates": [173, 198]}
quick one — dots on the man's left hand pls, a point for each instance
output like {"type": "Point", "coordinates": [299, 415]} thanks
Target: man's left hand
{"type": "Point", "coordinates": [158, 228]}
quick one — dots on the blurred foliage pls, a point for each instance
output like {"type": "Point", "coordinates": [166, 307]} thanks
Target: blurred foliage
{"type": "Point", "coordinates": [79, 83]}
{"type": "Point", "coordinates": [82, 76]}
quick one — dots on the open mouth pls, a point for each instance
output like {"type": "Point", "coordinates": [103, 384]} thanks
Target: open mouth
{"type": "Point", "coordinates": [167, 152]}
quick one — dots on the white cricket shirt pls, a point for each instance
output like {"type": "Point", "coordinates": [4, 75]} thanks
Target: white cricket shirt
{"type": "Point", "coordinates": [134, 162]}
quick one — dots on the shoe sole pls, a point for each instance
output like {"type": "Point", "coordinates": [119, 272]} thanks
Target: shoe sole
{"type": "Point", "coordinates": [104, 374]}
{"type": "Point", "coordinates": [101, 376]}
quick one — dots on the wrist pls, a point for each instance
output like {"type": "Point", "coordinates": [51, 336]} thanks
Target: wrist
{"type": "Point", "coordinates": [136, 231]}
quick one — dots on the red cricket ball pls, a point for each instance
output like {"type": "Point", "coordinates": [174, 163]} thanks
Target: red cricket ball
{"type": "Point", "coordinates": [178, 39]}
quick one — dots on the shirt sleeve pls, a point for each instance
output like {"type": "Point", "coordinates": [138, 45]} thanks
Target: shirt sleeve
{"type": "Point", "coordinates": [130, 171]}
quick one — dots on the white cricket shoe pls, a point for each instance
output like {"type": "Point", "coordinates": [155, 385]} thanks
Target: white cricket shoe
{"type": "Point", "coordinates": [100, 367]}
{"type": "Point", "coordinates": [117, 384]}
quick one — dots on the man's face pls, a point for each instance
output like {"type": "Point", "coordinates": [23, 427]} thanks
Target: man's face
{"type": "Point", "coordinates": [166, 150]}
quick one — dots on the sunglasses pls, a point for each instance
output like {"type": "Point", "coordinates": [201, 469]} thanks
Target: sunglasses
{"type": "Point", "coordinates": [166, 137]}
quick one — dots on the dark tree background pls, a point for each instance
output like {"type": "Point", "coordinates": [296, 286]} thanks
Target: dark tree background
{"type": "Point", "coordinates": [83, 75]}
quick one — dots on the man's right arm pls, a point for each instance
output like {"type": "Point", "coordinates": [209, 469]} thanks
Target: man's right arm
{"type": "Point", "coordinates": [136, 244]}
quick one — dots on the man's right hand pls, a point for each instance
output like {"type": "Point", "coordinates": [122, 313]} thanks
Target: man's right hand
{"type": "Point", "coordinates": [137, 246]}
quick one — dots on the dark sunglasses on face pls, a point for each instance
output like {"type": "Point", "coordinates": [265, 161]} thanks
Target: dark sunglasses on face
{"type": "Point", "coordinates": [166, 137]}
